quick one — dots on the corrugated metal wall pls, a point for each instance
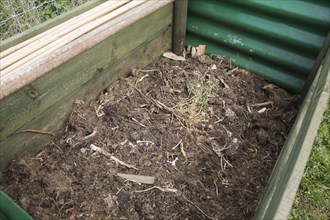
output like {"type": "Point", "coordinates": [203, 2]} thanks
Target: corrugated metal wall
{"type": "Point", "coordinates": [275, 38]}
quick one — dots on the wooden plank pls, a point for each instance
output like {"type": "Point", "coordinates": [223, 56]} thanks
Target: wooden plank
{"type": "Point", "coordinates": [13, 82]}
{"type": "Point", "coordinates": [77, 24]}
{"type": "Point", "coordinates": [28, 55]}
{"type": "Point", "coordinates": [180, 23]}
{"type": "Point", "coordinates": [27, 103]}
{"type": "Point", "coordinates": [288, 171]}
{"type": "Point", "coordinates": [48, 25]}
{"type": "Point", "coordinates": [53, 119]}
{"type": "Point", "coordinates": [66, 26]}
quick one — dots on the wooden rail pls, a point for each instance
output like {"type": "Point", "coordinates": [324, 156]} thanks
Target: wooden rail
{"type": "Point", "coordinates": [38, 91]}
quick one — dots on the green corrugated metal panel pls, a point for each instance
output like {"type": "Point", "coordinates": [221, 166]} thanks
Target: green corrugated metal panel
{"type": "Point", "coordinates": [276, 39]}
{"type": "Point", "coordinates": [284, 182]}
{"type": "Point", "coordinates": [9, 210]}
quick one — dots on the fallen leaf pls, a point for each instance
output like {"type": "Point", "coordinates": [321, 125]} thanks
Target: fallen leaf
{"type": "Point", "coordinates": [173, 56]}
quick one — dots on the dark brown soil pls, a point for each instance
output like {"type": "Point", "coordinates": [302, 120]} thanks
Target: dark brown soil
{"type": "Point", "coordinates": [228, 127]}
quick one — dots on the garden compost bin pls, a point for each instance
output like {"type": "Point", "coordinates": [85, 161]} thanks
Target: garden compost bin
{"type": "Point", "coordinates": [287, 42]}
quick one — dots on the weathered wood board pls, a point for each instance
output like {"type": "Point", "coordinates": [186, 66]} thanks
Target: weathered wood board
{"type": "Point", "coordinates": [48, 24]}
{"type": "Point", "coordinates": [46, 103]}
{"type": "Point", "coordinates": [27, 103]}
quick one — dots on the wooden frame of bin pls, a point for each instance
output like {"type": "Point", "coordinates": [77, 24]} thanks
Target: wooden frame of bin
{"type": "Point", "coordinates": [36, 105]}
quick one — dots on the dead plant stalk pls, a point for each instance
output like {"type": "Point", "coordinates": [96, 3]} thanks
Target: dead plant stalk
{"type": "Point", "coordinates": [105, 153]}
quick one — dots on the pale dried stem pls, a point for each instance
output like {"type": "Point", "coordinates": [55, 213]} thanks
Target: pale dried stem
{"type": "Point", "coordinates": [91, 135]}
{"type": "Point", "coordinates": [262, 104]}
{"type": "Point", "coordinates": [206, 215]}
{"type": "Point", "coordinates": [159, 188]}
{"type": "Point", "coordinates": [105, 153]}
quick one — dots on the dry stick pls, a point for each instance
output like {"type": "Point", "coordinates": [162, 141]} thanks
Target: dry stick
{"type": "Point", "coordinates": [91, 135]}
{"type": "Point", "coordinates": [183, 152]}
{"type": "Point", "coordinates": [35, 131]}
{"type": "Point", "coordinates": [105, 153]}
{"type": "Point", "coordinates": [139, 123]}
{"type": "Point", "coordinates": [177, 145]}
{"type": "Point", "coordinates": [28, 60]}
{"type": "Point", "coordinates": [170, 110]}
{"type": "Point", "coordinates": [197, 207]}
{"type": "Point", "coordinates": [216, 188]}
{"type": "Point", "coordinates": [141, 78]}
{"type": "Point", "coordinates": [233, 70]}
{"type": "Point", "coordinates": [262, 104]}
{"type": "Point", "coordinates": [227, 162]}
{"type": "Point", "coordinates": [161, 105]}
{"type": "Point", "coordinates": [224, 84]}
{"type": "Point", "coordinates": [60, 32]}
{"type": "Point", "coordinates": [56, 29]}
{"type": "Point", "coordinates": [157, 187]}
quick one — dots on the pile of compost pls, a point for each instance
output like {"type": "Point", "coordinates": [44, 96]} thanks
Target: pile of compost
{"type": "Point", "coordinates": [201, 137]}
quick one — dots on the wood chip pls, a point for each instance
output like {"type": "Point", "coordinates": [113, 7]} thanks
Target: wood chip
{"type": "Point", "coordinates": [173, 56]}
{"type": "Point", "coordinates": [138, 178]}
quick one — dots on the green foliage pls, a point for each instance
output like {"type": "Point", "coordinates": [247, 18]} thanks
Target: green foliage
{"type": "Point", "coordinates": [313, 198]}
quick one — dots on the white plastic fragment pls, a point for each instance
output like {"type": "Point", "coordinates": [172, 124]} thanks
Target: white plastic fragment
{"type": "Point", "coordinates": [262, 110]}
{"type": "Point", "coordinates": [213, 67]}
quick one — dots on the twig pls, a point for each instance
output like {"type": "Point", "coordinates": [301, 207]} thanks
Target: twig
{"type": "Point", "coordinates": [219, 119]}
{"type": "Point", "coordinates": [139, 123]}
{"type": "Point", "coordinates": [227, 162]}
{"type": "Point", "coordinates": [233, 70]}
{"type": "Point", "coordinates": [224, 84]}
{"type": "Point", "coordinates": [197, 207]}
{"type": "Point", "coordinates": [223, 166]}
{"type": "Point", "coordinates": [229, 133]}
{"type": "Point", "coordinates": [216, 188]}
{"type": "Point", "coordinates": [157, 187]}
{"type": "Point", "coordinates": [146, 97]}
{"type": "Point", "coordinates": [119, 190]}
{"type": "Point", "coordinates": [58, 147]}
{"type": "Point", "coordinates": [91, 135]}
{"type": "Point", "coordinates": [170, 110]}
{"type": "Point", "coordinates": [177, 145]}
{"type": "Point", "coordinates": [160, 105]}
{"type": "Point", "coordinates": [105, 153]}
{"type": "Point", "coordinates": [249, 109]}
{"type": "Point", "coordinates": [183, 152]}
{"type": "Point", "coordinates": [114, 128]}
{"type": "Point", "coordinates": [262, 104]}
{"type": "Point", "coordinates": [146, 142]}
{"type": "Point", "coordinates": [139, 80]}
{"type": "Point", "coordinates": [123, 142]}
{"type": "Point", "coordinates": [36, 131]}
